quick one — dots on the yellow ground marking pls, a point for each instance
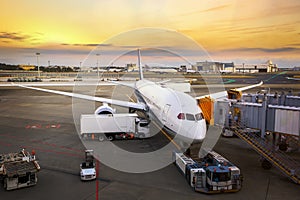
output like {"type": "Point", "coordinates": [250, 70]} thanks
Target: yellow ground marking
{"type": "Point", "coordinates": [167, 136]}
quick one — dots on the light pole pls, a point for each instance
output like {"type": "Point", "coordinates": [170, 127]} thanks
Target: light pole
{"type": "Point", "coordinates": [37, 60]}
{"type": "Point", "coordinates": [97, 64]}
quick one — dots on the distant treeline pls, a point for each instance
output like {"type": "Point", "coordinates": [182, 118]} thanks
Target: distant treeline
{"type": "Point", "coordinates": [4, 66]}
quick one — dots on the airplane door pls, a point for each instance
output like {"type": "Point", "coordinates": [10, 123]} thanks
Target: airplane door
{"type": "Point", "coordinates": [165, 112]}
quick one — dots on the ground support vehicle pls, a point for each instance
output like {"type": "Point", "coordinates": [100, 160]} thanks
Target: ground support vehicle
{"type": "Point", "coordinates": [88, 167]}
{"type": "Point", "coordinates": [213, 174]}
{"type": "Point", "coordinates": [18, 170]}
{"type": "Point", "coordinates": [113, 126]}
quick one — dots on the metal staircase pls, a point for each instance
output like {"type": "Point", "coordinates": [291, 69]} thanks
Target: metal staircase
{"type": "Point", "coordinates": [289, 166]}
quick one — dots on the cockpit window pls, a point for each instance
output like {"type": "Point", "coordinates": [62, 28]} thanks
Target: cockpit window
{"type": "Point", "coordinates": [181, 116]}
{"type": "Point", "coordinates": [190, 117]}
{"type": "Point", "coordinates": [199, 116]}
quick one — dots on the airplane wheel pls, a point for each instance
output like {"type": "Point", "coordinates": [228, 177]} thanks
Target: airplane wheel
{"type": "Point", "coordinates": [141, 135]}
{"type": "Point", "coordinates": [283, 147]}
{"type": "Point", "coordinates": [110, 138]}
{"type": "Point", "coordinates": [101, 138]}
{"type": "Point", "coordinates": [5, 184]}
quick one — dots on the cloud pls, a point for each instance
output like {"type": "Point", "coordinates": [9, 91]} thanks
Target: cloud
{"type": "Point", "coordinates": [294, 44]}
{"type": "Point", "coordinates": [213, 9]}
{"type": "Point", "coordinates": [269, 50]}
{"type": "Point", "coordinates": [85, 45]}
{"type": "Point", "coordinates": [285, 10]}
{"type": "Point", "coordinates": [250, 29]}
{"type": "Point", "coordinates": [13, 36]}
{"type": "Point", "coordinates": [216, 8]}
{"type": "Point", "coordinates": [9, 37]}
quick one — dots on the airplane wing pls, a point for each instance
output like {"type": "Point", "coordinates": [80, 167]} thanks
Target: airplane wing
{"type": "Point", "coordinates": [291, 78]}
{"type": "Point", "coordinates": [178, 86]}
{"type": "Point", "coordinates": [249, 87]}
{"type": "Point", "coordinates": [163, 82]}
{"type": "Point", "coordinates": [139, 106]}
{"type": "Point", "coordinates": [59, 84]}
{"type": "Point", "coordinates": [224, 94]}
{"type": "Point", "coordinates": [130, 85]}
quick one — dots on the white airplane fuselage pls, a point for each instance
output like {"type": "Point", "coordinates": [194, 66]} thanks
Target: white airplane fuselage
{"type": "Point", "coordinates": [176, 110]}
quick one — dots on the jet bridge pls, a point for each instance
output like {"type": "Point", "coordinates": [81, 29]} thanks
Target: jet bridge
{"type": "Point", "coordinates": [270, 124]}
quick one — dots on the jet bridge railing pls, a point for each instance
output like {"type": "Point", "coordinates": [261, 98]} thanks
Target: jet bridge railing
{"type": "Point", "coordinates": [267, 150]}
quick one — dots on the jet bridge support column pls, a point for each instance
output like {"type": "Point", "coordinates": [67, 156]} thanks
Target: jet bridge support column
{"type": "Point", "coordinates": [264, 116]}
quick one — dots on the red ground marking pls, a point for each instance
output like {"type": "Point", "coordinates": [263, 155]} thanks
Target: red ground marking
{"type": "Point", "coordinates": [5, 144]}
{"type": "Point", "coordinates": [27, 126]}
{"type": "Point", "coordinates": [52, 151]}
{"type": "Point", "coordinates": [39, 126]}
{"type": "Point", "coordinates": [97, 182]}
{"type": "Point", "coordinates": [62, 147]}
{"type": "Point", "coordinates": [48, 144]}
{"type": "Point", "coordinates": [44, 143]}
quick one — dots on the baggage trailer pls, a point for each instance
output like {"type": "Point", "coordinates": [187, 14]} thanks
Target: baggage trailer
{"type": "Point", "coordinates": [18, 170]}
{"type": "Point", "coordinates": [214, 174]}
{"type": "Point", "coordinates": [113, 126]}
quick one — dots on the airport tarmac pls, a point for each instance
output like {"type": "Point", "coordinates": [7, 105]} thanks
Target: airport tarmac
{"type": "Point", "coordinates": [44, 122]}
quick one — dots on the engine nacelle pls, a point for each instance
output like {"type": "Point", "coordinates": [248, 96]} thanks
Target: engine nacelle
{"type": "Point", "coordinates": [104, 109]}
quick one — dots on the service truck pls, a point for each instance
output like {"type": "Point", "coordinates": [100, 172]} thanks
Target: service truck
{"type": "Point", "coordinates": [87, 168]}
{"type": "Point", "coordinates": [213, 174]}
{"type": "Point", "coordinates": [113, 126]}
{"type": "Point", "coordinates": [18, 170]}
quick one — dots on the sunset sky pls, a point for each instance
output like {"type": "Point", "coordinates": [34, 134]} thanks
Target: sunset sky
{"type": "Point", "coordinates": [65, 31]}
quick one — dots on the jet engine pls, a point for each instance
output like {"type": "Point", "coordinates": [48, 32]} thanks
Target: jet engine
{"type": "Point", "coordinates": [104, 109]}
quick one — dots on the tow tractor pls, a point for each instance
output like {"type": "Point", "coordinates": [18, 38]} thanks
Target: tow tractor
{"type": "Point", "coordinates": [87, 168]}
{"type": "Point", "coordinates": [213, 174]}
{"type": "Point", "coordinates": [18, 170]}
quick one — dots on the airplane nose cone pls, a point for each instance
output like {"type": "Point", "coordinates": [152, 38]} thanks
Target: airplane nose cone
{"type": "Point", "coordinates": [198, 130]}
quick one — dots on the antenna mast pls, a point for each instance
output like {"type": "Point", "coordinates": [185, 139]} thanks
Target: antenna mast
{"type": "Point", "coordinates": [140, 65]}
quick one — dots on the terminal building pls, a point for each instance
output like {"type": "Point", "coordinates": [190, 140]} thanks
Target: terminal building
{"type": "Point", "coordinates": [256, 68]}
{"type": "Point", "coordinates": [208, 66]}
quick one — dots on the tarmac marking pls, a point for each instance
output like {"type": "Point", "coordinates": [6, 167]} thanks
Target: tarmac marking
{"type": "Point", "coordinates": [41, 126]}
{"type": "Point", "coordinates": [167, 136]}
{"type": "Point", "coordinates": [52, 151]}
{"type": "Point", "coordinates": [5, 144]}
{"type": "Point", "coordinates": [44, 143]}
{"type": "Point", "coordinates": [44, 150]}
{"type": "Point", "coordinates": [130, 98]}
{"type": "Point", "coordinates": [55, 145]}
{"type": "Point", "coordinates": [97, 182]}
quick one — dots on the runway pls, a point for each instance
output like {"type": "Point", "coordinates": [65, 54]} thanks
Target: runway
{"type": "Point", "coordinates": [44, 122]}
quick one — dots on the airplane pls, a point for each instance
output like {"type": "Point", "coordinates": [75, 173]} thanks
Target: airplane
{"type": "Point", "coordinates": [291, 78]}
{"type": "Point", "coordinates": [177, 111]}
{"type": "Point", "coordinates": [163, 70]}
{"type": "Point", "coordinates": [225, 71]}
